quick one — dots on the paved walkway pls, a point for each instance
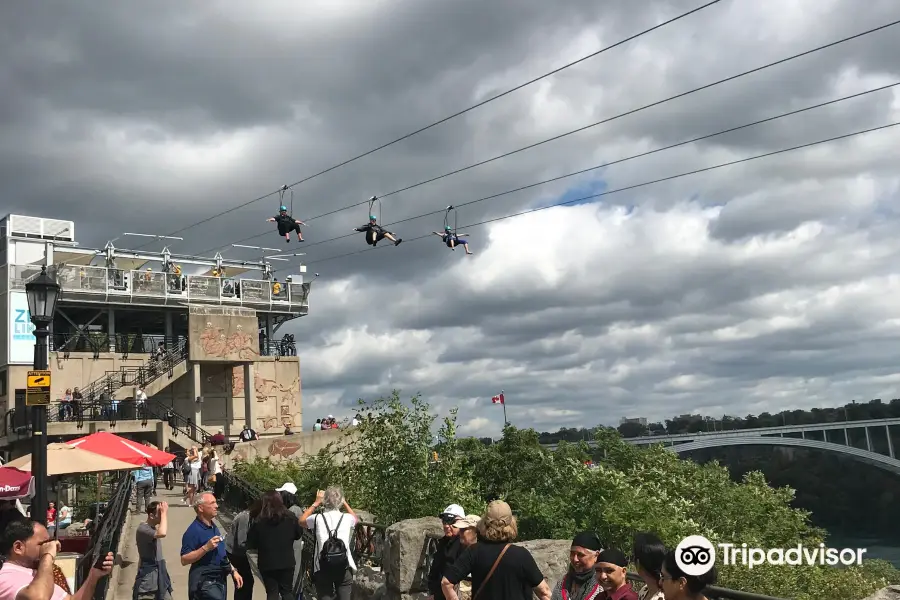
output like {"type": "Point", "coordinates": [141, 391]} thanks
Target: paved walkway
{"type": "Point", "coordinates": [180, 516]}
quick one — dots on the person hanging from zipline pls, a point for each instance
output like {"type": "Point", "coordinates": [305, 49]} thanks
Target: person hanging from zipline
{"type": "Point", "coordinates": [286, 224]}
{"type": "Point", "coordinates": [452, 239]}
{"type": "Point", "coordinates": [375, 232]}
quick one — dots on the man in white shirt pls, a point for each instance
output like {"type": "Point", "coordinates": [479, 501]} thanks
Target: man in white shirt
{"type": "Point", "coordinates": [334, 578]}
{"type": "Point", "coordinates": [28, 570]}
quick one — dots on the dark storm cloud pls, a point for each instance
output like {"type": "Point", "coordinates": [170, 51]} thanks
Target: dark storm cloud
{"type": "Point", "coordinates": [132, 117]}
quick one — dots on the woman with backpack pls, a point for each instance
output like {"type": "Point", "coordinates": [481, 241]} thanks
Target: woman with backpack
{"type": "Point", "coordinates": [334, 567]}
{"type": "Point", "coordinates": [273, 534]}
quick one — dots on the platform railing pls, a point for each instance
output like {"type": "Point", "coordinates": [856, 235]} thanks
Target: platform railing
{"type": "Point", "coordinates": [90, 283]}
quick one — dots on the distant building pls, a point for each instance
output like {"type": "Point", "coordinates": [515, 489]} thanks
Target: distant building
{"type": "Point", "coordinates": [638, 420]}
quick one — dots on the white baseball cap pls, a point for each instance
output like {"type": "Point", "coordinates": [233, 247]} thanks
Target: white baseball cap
{"type": "Point", "coordinates": [454, 510]}
{"type": "Point", "coordinates": [288, 487]}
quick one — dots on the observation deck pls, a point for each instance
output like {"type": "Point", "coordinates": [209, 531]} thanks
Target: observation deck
{"type": "Point", "coordinates": [104, 285]}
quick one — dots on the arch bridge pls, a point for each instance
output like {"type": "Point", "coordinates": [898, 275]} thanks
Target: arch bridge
{"type": "Point", "coordinates": [816, 436]}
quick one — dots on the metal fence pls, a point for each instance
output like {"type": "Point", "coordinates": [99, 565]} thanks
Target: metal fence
{"type": "Point", "coordinates": [106, 533]}
{"type": "Point", "coordinates": [121, 343]}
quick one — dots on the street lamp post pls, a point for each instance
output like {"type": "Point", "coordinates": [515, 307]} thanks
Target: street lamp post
{"type": "Point", "coordinates": [42, 293]}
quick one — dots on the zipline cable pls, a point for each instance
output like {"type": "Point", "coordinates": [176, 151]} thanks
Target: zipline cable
{"type": "Point", "coordinates": [623, 189]}
{"type": "Point", "coordinates": [607, 120]}
{"type": "Point", "coordinates": [632, 157]}
{"type": "Point", "coordinates": [457, 114]}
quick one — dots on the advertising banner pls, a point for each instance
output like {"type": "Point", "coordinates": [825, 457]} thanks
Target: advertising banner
{"type": "Point", "coordinates": [21, 330]}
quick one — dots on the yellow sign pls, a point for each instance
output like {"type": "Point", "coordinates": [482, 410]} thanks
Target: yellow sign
{"type": "Point", "coordinates": [39, 379]}
{"type": "Point", "coordinates": [38, 390]}
{"type": "Point", "coordinates": [37, 398]}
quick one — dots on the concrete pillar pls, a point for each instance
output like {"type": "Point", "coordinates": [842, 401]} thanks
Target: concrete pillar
{"type": "Point", "coordinates": [249, 395]}
{"type": "Point", "coordinates": [195, 393]}
{"type": "Point", "coordinates": [111, 327]}
{"type": "Point", "coordinates": [229, 412]}
{"type": "Point", "coordinates": [162, 435]}
{"type": "Point", "coordinates": [846, 437]}
{"type": "Point", "coordinates": [890, 442]}
{"type": "Point", "coordinates": [868, 439]}
{"type": "Point", "coordinates": [300, 394]}
{"type": "Point", "coordinates": [170, 343]}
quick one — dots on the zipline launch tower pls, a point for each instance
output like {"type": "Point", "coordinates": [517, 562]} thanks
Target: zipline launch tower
{"type": "Point", "coordinates": [166, 347]}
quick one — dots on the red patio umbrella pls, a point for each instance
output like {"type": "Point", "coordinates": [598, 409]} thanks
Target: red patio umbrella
{"type": "Point", "coordinates": [15, 483]}
{"type": "Point", "coordinates": [113, 446]}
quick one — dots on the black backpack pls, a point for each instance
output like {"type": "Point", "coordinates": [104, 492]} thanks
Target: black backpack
{"type": "Point", "coordinates": [333, 556]}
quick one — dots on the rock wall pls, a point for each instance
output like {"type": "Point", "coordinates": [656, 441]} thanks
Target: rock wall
{"type": "Point", "coordinates": [889, 593]}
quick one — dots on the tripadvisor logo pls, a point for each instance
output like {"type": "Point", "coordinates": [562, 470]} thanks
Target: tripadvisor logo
{"type": "Point", "coordinates": [696, 555]}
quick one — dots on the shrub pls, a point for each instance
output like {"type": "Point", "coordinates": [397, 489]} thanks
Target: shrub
{"type": "Point", "coordinates": [387, 466]}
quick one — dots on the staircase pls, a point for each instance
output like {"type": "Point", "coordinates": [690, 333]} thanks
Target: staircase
{"type": "Point", "coordinates": [172, 365]}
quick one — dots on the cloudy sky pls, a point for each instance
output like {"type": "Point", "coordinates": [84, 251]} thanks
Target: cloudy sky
{"type": "Point", "coordinates": [762, 286]}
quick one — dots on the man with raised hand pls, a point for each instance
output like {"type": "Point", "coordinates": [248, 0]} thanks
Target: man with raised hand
{"type": "Point", "coordinates": [30, 555]}
{"type": "Point", "coordinates": [203, 549]}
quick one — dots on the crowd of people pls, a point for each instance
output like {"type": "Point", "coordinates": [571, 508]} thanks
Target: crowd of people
{"type": "Point", "coordinates": [482, 548]}
{"type": "Point", "coordinates": [479, 548]}
{"type": "Point", "coordinates": [329, 422]}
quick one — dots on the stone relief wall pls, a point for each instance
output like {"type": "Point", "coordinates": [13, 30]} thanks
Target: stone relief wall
{"type": "Point", "coordinates": [216, 334]}
{"type": "Point", "coordinates": [276, 386]}
{"type": "Point", "coordinates": [286, 447]}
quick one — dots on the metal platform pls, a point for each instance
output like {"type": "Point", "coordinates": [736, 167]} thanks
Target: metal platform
{"type": "Point", "coordinates": [111, 286]}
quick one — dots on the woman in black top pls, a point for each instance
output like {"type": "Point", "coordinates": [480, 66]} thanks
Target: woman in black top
{"type": "Point", "coordinates": [515, 575]}
{"type": "Point", "coordinates": [273, 535]}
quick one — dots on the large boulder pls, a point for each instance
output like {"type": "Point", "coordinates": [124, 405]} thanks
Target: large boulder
{"type": "Point", "coordinates": [390, 594]}
{"type": "Point", "coordinates": [366, 583]}
{"type": "Point", "coordinates": [551, 556]}
{"type": "Point", "coordinates": [407, 546]}
{"type": "Point", "coordinates": [364, 516]}
{"type": "Point", "coordinates": [892, 592]}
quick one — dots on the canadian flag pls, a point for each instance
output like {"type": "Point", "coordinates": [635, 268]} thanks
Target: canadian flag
{"type": "Point", "coordinates": [498, 399]}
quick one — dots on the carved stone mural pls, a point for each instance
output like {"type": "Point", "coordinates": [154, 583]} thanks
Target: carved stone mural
{"type": "Point", "coordinates": [278, 400]}
{"type": "Point", "coordinates": [224, 337]}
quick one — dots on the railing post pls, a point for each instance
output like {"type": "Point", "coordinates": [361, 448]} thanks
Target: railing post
{"type": "Point", "coordinates": [868, 439]}
{"type": "Point", "coordinates": [887, 433]}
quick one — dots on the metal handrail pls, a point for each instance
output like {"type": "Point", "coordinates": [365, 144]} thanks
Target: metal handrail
{"type": "Point", "coordinates": [106, 534]}
{"type": "Point", "coordinates": [161, 287]}
{"type": "Point", "coordinates": [178, 422]}
{"type": "Point", "coordinates": [121, 343]}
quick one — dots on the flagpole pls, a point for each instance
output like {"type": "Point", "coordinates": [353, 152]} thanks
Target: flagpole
{"type": "Point", "coordinates": [505, 420]}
